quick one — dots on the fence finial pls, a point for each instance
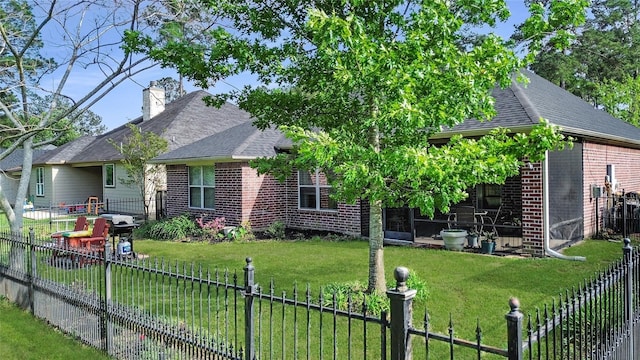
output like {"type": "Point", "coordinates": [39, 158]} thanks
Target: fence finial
{"type": "Point", "coordinates": [514, 304]}
{"type": "Point", "coordinates": [401, 275]}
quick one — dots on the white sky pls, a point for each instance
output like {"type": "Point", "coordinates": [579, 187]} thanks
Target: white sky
{"type": "Point", "coordinates": [125, 102]}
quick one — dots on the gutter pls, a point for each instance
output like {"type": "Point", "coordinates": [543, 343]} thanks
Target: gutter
{"type": "Point", "coordinates": [545, 215]}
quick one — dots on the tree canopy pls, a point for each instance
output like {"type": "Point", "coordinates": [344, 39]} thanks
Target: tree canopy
{"type": "Point", "coordinates": [137, 149]}
{"type": "Point", "coordinates": [361, 86]}
{"type": "Point", "coordinates": [601, 63]}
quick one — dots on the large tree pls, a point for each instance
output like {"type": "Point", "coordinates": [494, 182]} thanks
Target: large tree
{"type": "Point", "coordinates": [84, 41]}
{"type": "Point", "coordinates": [173, 89]}
{"type": "Point", "coordinates": [361, 86]}
{"type": "Point", "coordinates": [601, 63]}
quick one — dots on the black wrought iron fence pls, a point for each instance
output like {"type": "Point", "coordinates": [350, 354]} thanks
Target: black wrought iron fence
{"type": "Point", "coordinates": [618, 216]}
{"type": "Point", "coordinates": [48, 218]}
{"type": "Point", "coordinates": [153, 309]}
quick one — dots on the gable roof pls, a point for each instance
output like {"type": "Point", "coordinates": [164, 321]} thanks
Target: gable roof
{"type": "Point", "coordinates": [241, 142]}
{"type": "Point", "coordinates": [183, 121]}
{"type": "Point", "coordinates": [521, 106]}
{"type": "Point", "coordinates": [13, 162]}
{"type": "Point", "coordinates": [518, 108]}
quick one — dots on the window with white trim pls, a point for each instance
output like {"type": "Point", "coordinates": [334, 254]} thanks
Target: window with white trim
{"type": "Point", "coordinates": [109, 175]}
{"type": "Point", "coordinates": [40, 181]}
{"type": "Point", "coordinates": [202, 187]}
{"type": "Point", "coordinates": [314, 191]}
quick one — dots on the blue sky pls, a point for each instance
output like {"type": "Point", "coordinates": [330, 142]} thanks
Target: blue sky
{"type": "Point", "coordinates": [125, 102]}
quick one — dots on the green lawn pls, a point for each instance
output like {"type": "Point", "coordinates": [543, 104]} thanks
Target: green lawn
{"type": "Point", "coordinates": [467, 286]}
{"type": "Point", "coordinates": [24, 337]}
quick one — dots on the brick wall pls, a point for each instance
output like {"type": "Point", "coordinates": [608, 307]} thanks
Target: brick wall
{"type": "Point", "coordinates": [263, 198]}
{"type": "Point", "coordinates": [242, 195]}
{"type": "Point", "coordinates": [346, 220]}
{"type": "Point", "coordinates": [532, 217]}
{"type": "Point", "coordinates": [596, 157]}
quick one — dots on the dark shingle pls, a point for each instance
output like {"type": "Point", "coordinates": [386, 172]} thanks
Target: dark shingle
{"type": "Point", "coordinates": [13, 162]}
{"type": "Point", "coordinates": [243, 141]}
{"type": "Point", "coordinates": [184, 121]}
{"type": "Point", "coordinates": [521, 106]}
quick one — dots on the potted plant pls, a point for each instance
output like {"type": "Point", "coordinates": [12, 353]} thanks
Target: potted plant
{"type": "Point", "coordinates": [488, 244]}
{"type": "Point", "coordinates": [472, 238]}
{"type": "Point", "coordinates": [453, 238]}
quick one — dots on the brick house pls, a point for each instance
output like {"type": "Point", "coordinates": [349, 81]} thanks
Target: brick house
{"type": "Point", "coordinates": [212, 176]}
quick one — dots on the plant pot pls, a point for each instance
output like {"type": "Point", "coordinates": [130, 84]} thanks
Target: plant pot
{"type": "Point", "coordinates": [488, 247]}
{"type": "Point", "coordinates": [472, 241]}
{"type": "Point", "coordinates": [453, 239]}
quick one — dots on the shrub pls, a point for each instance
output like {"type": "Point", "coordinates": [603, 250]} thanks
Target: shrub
{"type": "Point", "coordinates": [242, 232]}
{"type": "Point", "coordinates": [177, 228]}
{"type": "Point", "coordinates": [276, 230]}
{"type": "Point", "coordinates": [352, 296]}
{"type": "Point", "coordinates": [374, 303]}
{"type": "Point", "coordinates": [212, 229]}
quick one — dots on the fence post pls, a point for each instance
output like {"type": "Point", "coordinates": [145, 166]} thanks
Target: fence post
{"type": "Point", "coordinates": [514, 330]}
{"type": "Point", "coordinates": [32, 269]}
{"type": "Point", "coordinates": [107, 327]}
{"type": "Point", "coordinates": [628, 294]}
{"type": "Point", "coordinates": [249, 289]}
{"type": "Point", "coordinates": [401, 299]}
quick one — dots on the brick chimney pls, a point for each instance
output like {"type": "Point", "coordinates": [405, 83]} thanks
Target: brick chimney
{"type": "Point", "coordinates": [152, 101]}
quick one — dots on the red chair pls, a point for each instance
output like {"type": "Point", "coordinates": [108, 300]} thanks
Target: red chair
{"type": "Point", "coordinates": [81, 224]}
{"type": "Point", "coordinates": [93, 244]}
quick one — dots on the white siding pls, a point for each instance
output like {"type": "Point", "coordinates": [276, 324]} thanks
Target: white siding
{"type": "Point", "coordinates": [125, 192]}
{"type": "Point", "coordinates": [63, 183]}
{"type": "Point", "coordinates": [75, 185]}
{"type": "Point", "coordinates": [9, 185]}
{"type": "Point", "coordinates": [120, 191]}
{"type": "Point", "coordinates": [41, 201]}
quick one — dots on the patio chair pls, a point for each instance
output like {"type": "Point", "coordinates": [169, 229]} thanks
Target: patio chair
{"type": "Point", "coordinates": [491, 221]}
{"type": "Point", "coordinates": [465, 218]}
{"type": "Point", "coordinates": [80, 225]}
{"type": "Point", "coordinates": [93, 244]}
{"type": "Point", "coordinates": [98, 235]}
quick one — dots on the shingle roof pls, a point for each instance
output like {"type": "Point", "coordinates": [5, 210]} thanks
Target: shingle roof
{"type": "Point", "coordinates": [13, 162]}
{"type": "Point", "coordinates": [520, 106]}
{"type": "Point", "coordinates": [65, 152]}
{"type": "Point", "coordinates": [241, 142]}
{"type": "Point", "coordinates": [183, 121]}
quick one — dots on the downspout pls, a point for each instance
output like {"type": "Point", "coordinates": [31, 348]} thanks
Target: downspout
{"type": "Point", "coordinates": [546, 234]}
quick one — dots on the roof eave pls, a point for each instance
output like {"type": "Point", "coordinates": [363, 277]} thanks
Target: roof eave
{"type": "Point", "coordinates": [478, 132]}
{"type": "Point", "coordinates": [208, 159]}
{"type": "Point", "coordinates": [610, 139]}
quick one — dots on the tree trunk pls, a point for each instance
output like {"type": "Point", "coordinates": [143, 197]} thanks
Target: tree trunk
{"type": "Point", "coordinates": [376, 235]}
{"type": "Point", "coordinates": [377, 281]}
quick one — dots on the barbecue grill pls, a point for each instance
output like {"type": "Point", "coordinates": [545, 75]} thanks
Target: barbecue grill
{"type": "Point", "coordinates": [121, 226]}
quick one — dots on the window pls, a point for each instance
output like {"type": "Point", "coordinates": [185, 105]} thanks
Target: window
{"type": "Point", "coordinates": [40, 181]}
{"type": "Point", "coordinates": [109, 175]}
{"type": "Point", "coordinates": [314, 191]}
{"type": "Point", "coordinates": [488, 196]}
{"type": "Point", "coordinates": [202, 187]}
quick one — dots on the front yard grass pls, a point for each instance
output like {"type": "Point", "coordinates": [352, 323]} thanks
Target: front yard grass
{"type": "Point", "coordinates": [466, 286]}
{"type": "Point", "coordinates": [24, 337]}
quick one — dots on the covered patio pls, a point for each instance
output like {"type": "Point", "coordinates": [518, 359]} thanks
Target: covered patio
{"type": "Point", "coordinates": [489, 209]}
{"type": "Point", "coordinates": [404, 225]}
